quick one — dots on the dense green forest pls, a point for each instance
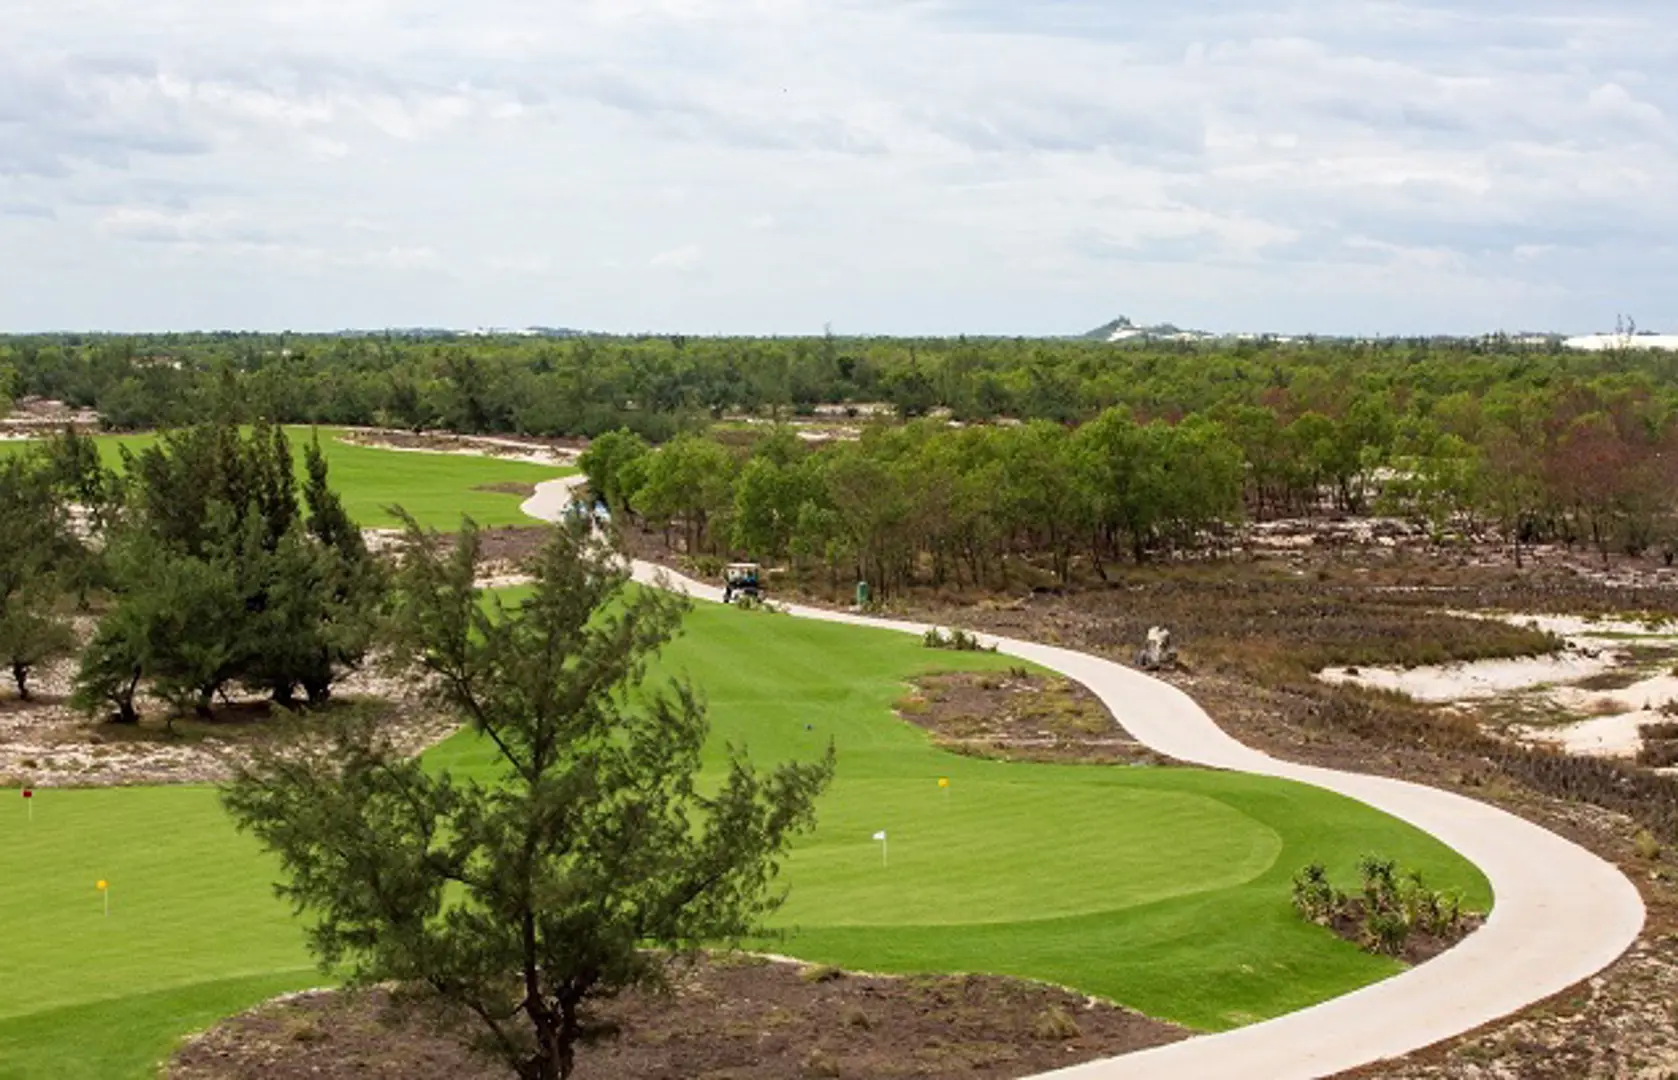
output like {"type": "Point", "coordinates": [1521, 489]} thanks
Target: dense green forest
{"type": "Point", "coordinates": [658, 385]}
{"type": "Point", "coordinates": [1072, 451]}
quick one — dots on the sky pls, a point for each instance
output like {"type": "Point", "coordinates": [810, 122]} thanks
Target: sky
{"type": "Point", "coordinates": [779, 166]}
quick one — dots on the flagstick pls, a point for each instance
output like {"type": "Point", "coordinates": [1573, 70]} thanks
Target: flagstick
{"type": "Point", "coordinates": [107, 903]}
{"type": "Point", "coordinates": [883, 845]}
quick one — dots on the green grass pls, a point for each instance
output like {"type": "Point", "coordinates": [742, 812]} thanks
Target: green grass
{"type": "Point", "coordinates": [1164, 889]}
{"type": "Point", "coordinates": [436, 488]}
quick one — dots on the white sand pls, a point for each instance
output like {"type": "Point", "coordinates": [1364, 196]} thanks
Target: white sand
{"type": "Point", "coordinates": [526, 452]}
{"type": "Point", "coordinates": [1610, 720]}
{"type": "Point", "coordinates": [1578, 629]}
{"type": "Point", "coordinates": [1477, 680]}
{"type": "Point", "coordinates": [1645, 695]}
{"type": "Point", "coordinates": [1606, 736]}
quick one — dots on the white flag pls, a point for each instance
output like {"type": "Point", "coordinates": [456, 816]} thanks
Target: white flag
{"type": "Point", "coordinates": [881, 835]}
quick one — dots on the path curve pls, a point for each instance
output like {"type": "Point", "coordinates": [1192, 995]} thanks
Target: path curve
{"type": "Point", "coordinates": [1561, 914]}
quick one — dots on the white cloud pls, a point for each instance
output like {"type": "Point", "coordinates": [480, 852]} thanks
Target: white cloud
{"type": "Point", "coordinates": [1379, 164]}
{"type": "Point", "coordinates": [681, 258]}
{"type": "Point", "coordinates": [535, 263]}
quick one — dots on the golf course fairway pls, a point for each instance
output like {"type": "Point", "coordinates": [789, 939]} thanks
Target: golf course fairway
{"type": "Point", "coordinates": [436, 488]}
{"type": "Point", "coordinates": [1163, 889]}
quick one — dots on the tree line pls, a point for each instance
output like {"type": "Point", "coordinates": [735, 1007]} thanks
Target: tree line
{"type": "Point", "coordinates": [660, 386]}
{"type": "Point", "coordinates": [1579, 463]}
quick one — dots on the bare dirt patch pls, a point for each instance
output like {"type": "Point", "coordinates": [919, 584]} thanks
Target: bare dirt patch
{"type": "Point", "coordinates": [739, 1018]}
{"type": "Point", "coordinates": [46, 743]}
{"type": "Point", "coordinates": [1020, 716]}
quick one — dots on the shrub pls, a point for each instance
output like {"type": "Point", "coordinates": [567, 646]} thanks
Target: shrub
{"type": "Point", "coordinates": [1391, 906]}
{"type": "Point", "coordinates": [1658, 753]}
{"type": "Point", "coordinates": [1648, 848]}
{"type": "Point", "coordinates": [821, 973]}
{"type": "Point", "coordinates": [1385, 932]}
{"type": "Point", "coordinates": [1055, 1024]}
{"type": "Point", "coordinates": [955, 640]}
{"type": "Point", "coordinates": [1314, 897]}
{"type": "Point", "coordinates": [706, 567]}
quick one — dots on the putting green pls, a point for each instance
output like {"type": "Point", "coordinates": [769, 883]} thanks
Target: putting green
{"type": "Point", "coordinates": [436, 488]}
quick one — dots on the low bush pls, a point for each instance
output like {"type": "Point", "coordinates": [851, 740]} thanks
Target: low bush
{"type": "Point", "coordinates": [955, 640]}
{"type": "Point", "coordinates": [1658, 753]}
{"type": "Point", "coordinates": [1314, 897]}
{"type": "Point", "coordinates": [1055, 1024]}
{"type": "Point", "coordinates": [705, 567]}
{"type": "Point", "coordinates": [1391, 905]}
{"type": "Point", "coordinates": [820, 973]}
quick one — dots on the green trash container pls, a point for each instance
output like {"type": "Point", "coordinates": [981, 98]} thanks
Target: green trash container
{"type": "Point", "coordinates": [862, 594]}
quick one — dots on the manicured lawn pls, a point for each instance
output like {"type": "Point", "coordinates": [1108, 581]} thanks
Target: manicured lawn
{"type": "Point", "coordinates": [1163, 889]}
{"type": "Point", "coordinates": [436, 488]}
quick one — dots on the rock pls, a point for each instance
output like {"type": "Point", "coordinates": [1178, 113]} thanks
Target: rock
{"type": "Point", "coordinates": [1159, 652]}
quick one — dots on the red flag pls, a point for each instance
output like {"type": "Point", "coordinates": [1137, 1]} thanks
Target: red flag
{"type": "Point", "coordinates": [28, 794]}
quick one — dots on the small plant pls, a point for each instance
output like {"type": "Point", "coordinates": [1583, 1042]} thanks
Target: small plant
{"type": "Point", "coordinates": [955, 640]}
{"type": "Point", "coordinates": [749, 602]}
{"type": "Point", "coordinates": [1314, 897]}
{"type": "Point", "coordinates": [1658, 753]}
{"type": "Point", "coordinates": [1390, 906]}
{"type": "Point", "coordinates": [1380, 883]}
{"type": "Point", "coordinates": [1055, 1024]}
{"type": "Point", "coordinates": [821, 973]}
{"type": "Point", "coordinates": [1648, 848]}
{"type": "Point", "coordinates": [1385, 932]}
{"type": "Point", "coordinates": [819, 1062]}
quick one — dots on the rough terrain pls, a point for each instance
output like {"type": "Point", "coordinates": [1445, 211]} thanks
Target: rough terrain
{"type": "Point", "coordinates": [743, 1018]}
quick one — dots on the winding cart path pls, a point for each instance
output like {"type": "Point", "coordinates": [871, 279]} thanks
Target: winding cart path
{"type": "Point", "coordinates": [1561, 915]}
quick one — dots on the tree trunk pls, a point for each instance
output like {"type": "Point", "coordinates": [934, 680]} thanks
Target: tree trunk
{"type": "Point", "coordinates": [319, 691]}
{"type": "Point", "coordinates": [123, 699]}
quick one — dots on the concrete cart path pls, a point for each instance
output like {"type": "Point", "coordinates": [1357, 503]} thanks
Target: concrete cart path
{"type": "Point", "coordinates": [1561, 913]}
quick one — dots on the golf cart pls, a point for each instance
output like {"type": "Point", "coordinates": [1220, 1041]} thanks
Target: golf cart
{"type": "Point", "coordinates": [741, 579]}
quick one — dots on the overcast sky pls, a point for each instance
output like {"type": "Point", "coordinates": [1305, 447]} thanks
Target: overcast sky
{"type": "Point", "coordinates": [769, 166]}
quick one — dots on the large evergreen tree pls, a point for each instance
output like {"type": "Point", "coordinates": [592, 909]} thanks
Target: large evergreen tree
{"type": "Point", "coordinates": [595, 843]}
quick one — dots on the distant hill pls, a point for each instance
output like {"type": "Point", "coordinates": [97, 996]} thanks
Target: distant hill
{"type": "Point", "coordinates": [1122, 329]}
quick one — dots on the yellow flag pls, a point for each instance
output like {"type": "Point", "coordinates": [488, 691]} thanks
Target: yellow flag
{"type": "Point", "coordinates": [100, 885]}
{"type": "Point", "coordinates": [943, 781]}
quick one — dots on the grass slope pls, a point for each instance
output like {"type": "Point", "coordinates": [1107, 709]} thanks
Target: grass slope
{"type": "Point", "coordinates": [436, 488]}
